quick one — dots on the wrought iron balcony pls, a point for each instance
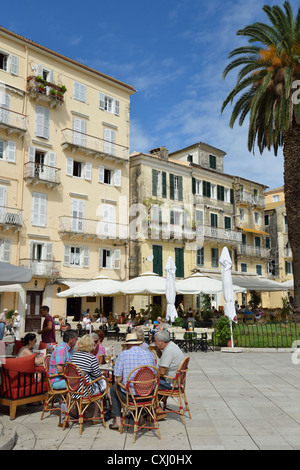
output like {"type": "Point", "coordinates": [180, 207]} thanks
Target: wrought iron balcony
{"type": "Point", "coordinates": [250, 198]}
{"type": "Point", "coordinates": [39, 173]}
{"type": "Point", "coordinates": [91, 145]}
{"type": "Point", "coordinates": [219, 234]}
{"type": "Point", "coordinates": [89, 228]}
{"type": "Point", "coordinates": [255, 251]}
{"type": "Point", "coordinates": [13, 121]}
{"type": "Point", "coordinates": [42, 90]}
{"type": "Point", "coordinates": [42, 268]}
{"type": "Point", "coordinates": [10, 218]}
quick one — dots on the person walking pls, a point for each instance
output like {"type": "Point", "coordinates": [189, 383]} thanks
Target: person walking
{"type": "Point", "coordinates": [48, 329]}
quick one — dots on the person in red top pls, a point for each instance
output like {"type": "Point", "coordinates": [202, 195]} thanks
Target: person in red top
{"type": "Point", "coordinates": [48, 328]}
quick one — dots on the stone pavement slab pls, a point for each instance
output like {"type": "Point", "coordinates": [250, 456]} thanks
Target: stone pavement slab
{"type": "Point", "coordinates": [238, 401]}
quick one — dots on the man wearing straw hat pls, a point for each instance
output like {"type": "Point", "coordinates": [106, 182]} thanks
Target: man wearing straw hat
{"type": "Point", "coordinates": [133, 356]}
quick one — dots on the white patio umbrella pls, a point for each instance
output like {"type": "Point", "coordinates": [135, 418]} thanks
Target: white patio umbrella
{"type": "Point", "coordinates": [229, 310]}
{"type": "Point", "coordinates": [170, 269]}
{"type": "Point", "coordinates": [146, 283]}
{"type": "Point", "coordinates": [199, 283]}
{"type": "Point", "coordinates": [102, 285]}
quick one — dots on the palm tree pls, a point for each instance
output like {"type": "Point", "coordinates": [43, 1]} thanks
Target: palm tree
{"type": "Point", "coordinates": [267, 93]}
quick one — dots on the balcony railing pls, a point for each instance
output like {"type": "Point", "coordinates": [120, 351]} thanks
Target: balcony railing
{"type": "Point", "coordinates": [93, 145]}
{"type": "Point", "coordinates": [11, 217]}
{"type": "Point", "coordinates": [72, 226]}
{"type": "Point", "coordinates": [251, 250]}
{"type": "Point", "coordinates": [42, 268]}
{"type": "Point", "coordinates": [38, 88]}
{"type": "Point", "coordinates": [250, 198]}
{"type": "Point", "coordinates": [223, 234]}
{"type": "Point", "coordinates": [39, 172]}
{"type": "Point", "coordinates": [13, 120]}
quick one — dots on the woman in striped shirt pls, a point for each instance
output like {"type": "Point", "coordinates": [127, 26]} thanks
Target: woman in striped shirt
{"type": "Point", "coordinates": [90, 368]}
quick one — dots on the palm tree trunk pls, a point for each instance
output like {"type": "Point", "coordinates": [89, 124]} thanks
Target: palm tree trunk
{"type": "Point", "coordinates": [291, 153]}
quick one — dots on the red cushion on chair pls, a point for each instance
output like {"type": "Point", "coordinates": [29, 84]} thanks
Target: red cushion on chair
{"type": "Point", "coordinates": [42, 345]}
{"type": "Point", "coordinates": [18, 345]}
{"type": "Point", "coordinates": [21, 364]}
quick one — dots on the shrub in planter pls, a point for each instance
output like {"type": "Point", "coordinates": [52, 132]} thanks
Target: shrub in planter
{"type": "Point", "coordinates": [222, 330]}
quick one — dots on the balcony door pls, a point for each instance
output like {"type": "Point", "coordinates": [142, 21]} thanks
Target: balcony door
{"type": "Point", "coordinates": [33, 318]}
{"type": "Point", "coordinates": [77, 215]}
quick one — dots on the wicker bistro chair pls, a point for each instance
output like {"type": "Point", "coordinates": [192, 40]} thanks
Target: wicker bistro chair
{"type": "Point", "coordinates": [77, 388]}
{"type": "Point", "coordinates": [140, 395]}
{"type": "Point", "coordinates": [177, 393]}
{"type": "Point", "coordinates": [52, 394]}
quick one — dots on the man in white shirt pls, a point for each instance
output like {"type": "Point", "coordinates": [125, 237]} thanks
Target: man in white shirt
{"type": "Point", "coordinates": [170, 360]}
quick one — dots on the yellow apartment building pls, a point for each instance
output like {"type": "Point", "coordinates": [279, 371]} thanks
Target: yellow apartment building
{"type": "Point", "coordinates": [64, 178]}
{"type": "Point", "coordinates": [184, 205]}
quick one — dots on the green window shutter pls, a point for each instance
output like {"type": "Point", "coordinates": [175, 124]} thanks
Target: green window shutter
{"type": "Point", "coordinates": [172, 217]}
{"type": "Point", "coordinates": [157, 260]}
{"type": "Point", "coordinates": [220, 193]}
{"type": "Point", "coordinates": [214, 220]}
{"type": "Point", "coordinates": [212, 162]}
{"type": "Point", "coordinates": [227, 223]}
{"type": "Point", "coordinates": [231, 196]}
{"type": "Point", "coordinates": [164, 184]}
{"type": "Point", "coordinates": [180, 189]}
{"type": "Point", "coordinates": [179, 262]}
{"type": "Point", "coordinates": [193, 185]}
{"type": "Point", "coordinates": [206, 189]}
{"type": "Point", "coordinates": [171, 186]}
{"type": "Point", "coordinates": [154, 182]}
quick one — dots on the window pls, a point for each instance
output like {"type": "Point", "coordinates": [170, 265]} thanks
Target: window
{"type": "Point", "coordinates": [206, 188]}
{"type": "Point", "coordinates": [39, 209]}
{"type": "Point", "coordinates": [275, 198]}
{"type": "Point", "coordinates": [79, 169]}
{"type": "Point", "coordinates": [79, 92]}
{"type": "Point", "coordinates": [258, 269]}
{"type": "Point", "coordinates": [46, 74]}
{"type": "Point", "coordinates": [257, 218]}
{"type": "Point", "coordinates": [109, 258]}
{"type": "Point", "coordinates": [227, 223]}
{"type": "Point", "coordinates": [288, 267]}
{"type": "Point", "coordinates": [267, 219]}
{"type": "Point", "coordinates": [220, 193]}
{"type": "Point", "coordinates": [159, 183]}
{"type": "Point", "coordinates": [200, 256]}
{"type": "Point", "coordinates": [214, 257]}
{"type": "Point", "coordinates": [213, 192]}
{"type": "Point", "coordinates": [9, 62]}
{"type": "Point", "coordinates": [190, 158]}
{"type": "Point", "coordinates": [108, 176]}
{"type": "Point", "coordinates": [8, 151]}
{"type": "Point", "coordinates": [213, 220]}
{"type": "Point", "coordinates": [242, 215]}
{"type": "Point", "coordinates": [41, 164]}
{"type": "Point", "coordinates": [196, 187]}
{"type": "Point", "coordinates": [257, 246]}
{"type": "Point", "coordinates": [76, 256]}
{"type": "Point", "coordinates": [109, 104]}
{"type": "Point", "coordinates": [108, 220]}
{"type": "Point", "coordinates": [243, 267]}
{"type": "Point", "coordinates": [42, 122]}
{"type": "Point", "coordinates": [5, 248]}
{"type": "Point", "coordinates": [109, 141]}
{"type": "Point", "coordinates": [179, 262]}
{"type": "Point", "coordinates": [77, 215]}
{"type": "Point", "coordinates": [79, 135]}
{"type": "Point", "coordinates": [176, 190]}
{"type": "Point", "coordinates": [4, 107]}
{"type": "Point", "coordinates": [157, 260]}
{"type": "Point", "coordinates": [212, 162]}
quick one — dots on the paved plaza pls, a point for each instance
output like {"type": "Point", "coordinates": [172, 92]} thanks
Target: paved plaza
{"type": "Point", "coordinates": [247, 400]}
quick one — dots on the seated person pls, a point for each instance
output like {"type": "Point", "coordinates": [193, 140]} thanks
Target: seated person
{"type": "Point", "coordinates": [170, 360]}
{"type": "Point", "coordinates": [90, 368]}
{"type": "Point", "coordinates": [29, 342]}
{"type": "Point", "coordinates": [133, 356]}
{"type": "Point", "coordinates": [99, 349]}
{"type": "Point", "coordinates": [87, 322]}
{"type": "Point", "coordinates": [248, 311]}
{"type": "Point", "coordinates": [258, 313]}
{"type": "Point", "coordinates": [121, 319]}
{"type": "Point", "coordinates": [61, 354]}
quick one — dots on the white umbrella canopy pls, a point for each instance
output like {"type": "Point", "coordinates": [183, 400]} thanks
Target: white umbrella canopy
{"type": "Point", "coordinates": [102, 285]}
{"type": "Point", "coordinates": [146, 283]}
{"type": "Point", "coordinates": [200, 284]}
{"type": "Point", "coordinates": [170, 269]}
{"type": "Point", "coordinates": [226, 266]}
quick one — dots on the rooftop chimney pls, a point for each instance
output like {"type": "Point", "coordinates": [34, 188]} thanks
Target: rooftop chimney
{"type": "Point", "coordinates": [161, 152]}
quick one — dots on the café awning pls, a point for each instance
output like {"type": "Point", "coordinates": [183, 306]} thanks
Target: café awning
{"type": "Point", "coordinates": [251, 281]}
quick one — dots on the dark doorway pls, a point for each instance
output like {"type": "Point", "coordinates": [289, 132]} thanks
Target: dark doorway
{"type": "Point", "coordinates": [33, 316]}
{"type": "Point", "coordinates": [107, 305]}
{"type": "Point", "coordinates": [74, 308]}
{"type": "Point", "coordinates": [179, 298]}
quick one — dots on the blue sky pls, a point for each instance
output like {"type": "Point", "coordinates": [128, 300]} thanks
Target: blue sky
{"type": "Point", "coordinates": [173, 52]}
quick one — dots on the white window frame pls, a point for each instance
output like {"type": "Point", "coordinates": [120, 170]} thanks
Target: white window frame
{"type": "Point", "coordinates": [258, 267]}
{"type": "Point", "coordinates": [85, 169]}
{"type": "Point", "coordinates": [79, 132]}
{"type": "Point", "coordinates": [256, 218]}
{"type": "Point", "coordinates": [76, 256]}
{"type": "Point", "coordinates": [79, 92]}
{"type": "Point", "coordinates": [242, 214]}
{"type": "Point", "coordinates": [213, 191]}
{"type": "Point", "coordinates": [11, 63]}
{"type": "Point", "coordinates": [42, 122]}
{"type": "Point", "coordinates": [109, 104]}
{"type": "Point", "coordinates": [5, 250]}
{"type": "Point", "coordinates": [115, 176]}
{"type": "Point", "coordinates": [8, 151]}
{"type": "Point", "coordinates": [39, 210]}
{"type": "Point", "coordinates": [109, 140]}
{"type": "Point", "coordinates": [245, 265]}
{"type": "Point", "coordinates": [113, 261]}
{"type": "Point", "coordinates": [198, 187]}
